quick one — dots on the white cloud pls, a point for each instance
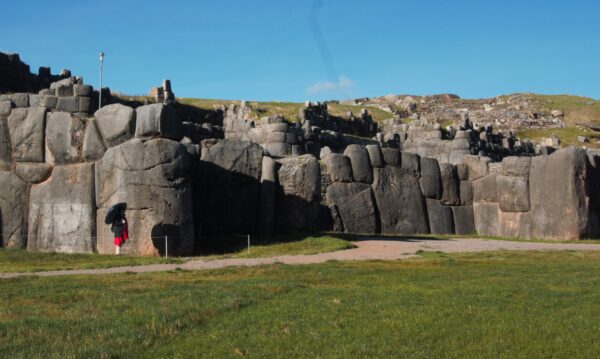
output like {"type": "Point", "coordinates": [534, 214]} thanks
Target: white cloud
{"type": "Point", "coordinates": [344, 84]}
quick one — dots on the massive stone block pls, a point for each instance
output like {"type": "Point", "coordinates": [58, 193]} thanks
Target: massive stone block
{"type": "Point", "coordinates": [440, 217]}
{"type": "Point", "coordinates": [411, 163]}
{"type": "Point", "coordinates": [559, 186]}
{"type": "Point", "coordinates": [62, 211]}
{"type": "Point", "coordinates": [361, 166]}
{"type": "Point", "coordinates": [64, 138]}
{"type": "Point", "coordinates": [450, 184]}
{"type": "Point", "coordinates": [516, 166]}
{"type": "Point", "coordinates": [26, 127]}
{"type": "Point", "coordinates": [515, 224]}
{"type": "Point", "coordinates": [229, 188]}
{"type": "Point", "coordinates": [466, 193]}
{"type": "Point", "coordinates": [486, 218]}
{"type": "Point", "coordinates": [375, 155]}
{"type": "Point", "coordinates": [116, 123]}
{"type": "Point", "coordinates": [153, 178]}
{"type": "Point", "coordinates": [430, 181]}
{"type": "Point", "coordinates": [157, 120]}
{"type": "Point", "coordinates": [93, 145]}
{"type": "Point", "coordinates": [338, 167]}
{"type": "Point", "coordinates": [33, 172]}
{"type": "Point", "coordinates": [13, 210]}
{"type": "Point", "coordinates": [268, 195]}
{"type": "Point", "coordinates": [476, 166]}
{"type": "Point", "coordinates": [299, 194]}
{"type": "Point", "coordinates": [391, 156]}
{"type": "Point", "coordinates": [5, 147]}
{"type": "Point", "coordinates": [399, 201]}
{"type": "Point", "coordinates": [354, 205]}
{"type": "Point", "coordinates": [513, 193]}
{"type": "Point", "coordinates": [464, 221]}
{"type": "Point", "coordinates": [485, 190]}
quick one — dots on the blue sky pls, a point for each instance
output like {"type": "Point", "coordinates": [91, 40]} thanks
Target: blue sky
{"type": "Point", "coordinates": [298, 50]}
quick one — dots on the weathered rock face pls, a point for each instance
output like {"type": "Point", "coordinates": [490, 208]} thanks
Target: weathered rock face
{"type": "Point", "coordinates": [391, 156]}
{"type": "Point", "coordinates": [116, 123]}
{"type": "Point", "coordinates": [486, 218]}
{"type": "Point", "coordinates": [464, 221]}
{"type": "Point", "coordinates": [450, 184]}
{"type": "Point", "coordinates": [298, 206]}
{"type": "Point", "coordinates": [375, 155]}
{"type": "Point", "coordinates": [157, 120]}
{"type": "Point", "coordinates": [64, 138]}
{"type": "Point", "coordinates": [33, 172]}
{"type": "Point", "coordinates": [399, 201]}
{"type": "Point", "coordinates": [5, 147]}
{"type": "Point", "coordinates": [513, 193]}
{"type": "Point", "coordinates": [26, 127]}
{"type": "Point", "coordinates": [153, 178]}
{"type": "Point", "coordinates": [13, 210]}
{"type": "Point", "coordinates": [338, 167]}
{"type": "Point", "coordinates": [515, 224]}
{"type": "Point", "coordinates": [229, 187]}
{"type": "Point", "coordinates": [430, 181]}
{"type": "Point", "coordinates": [62, 211]}
{"type": "Point", "coordinates": [268, 195]}
{"type": "Point", "coordinates": [93, 145]}
{"type": "Point", "coordinates": [559, 197]}
{"type": "Point", "coordinates": [361, 166]}
{"type": "Point", "coordinates": [353, 204]}
{"type": "Point", "coordinates": [440, 217]}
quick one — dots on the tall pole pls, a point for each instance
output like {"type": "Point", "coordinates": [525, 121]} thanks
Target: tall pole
{"type": "Point", "coordinates": [101, 62]}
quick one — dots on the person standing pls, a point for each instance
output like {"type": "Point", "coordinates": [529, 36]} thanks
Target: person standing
{"type": "Point", "coordinates": [119, 228]}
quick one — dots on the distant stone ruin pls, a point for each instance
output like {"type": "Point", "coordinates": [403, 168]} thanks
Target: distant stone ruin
{"type": "Point", "coordinates": [184, 175]}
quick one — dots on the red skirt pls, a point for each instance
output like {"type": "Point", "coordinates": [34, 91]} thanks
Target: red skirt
{"type": "Point", "coordinates": [118, 241]}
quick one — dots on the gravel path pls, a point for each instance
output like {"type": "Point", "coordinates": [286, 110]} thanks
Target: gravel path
{"type": "Point", "coordinates": [369, 249]}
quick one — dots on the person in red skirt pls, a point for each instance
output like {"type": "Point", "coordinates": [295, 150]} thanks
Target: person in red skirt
{"type": "Point", "coordinates": [119, 228]}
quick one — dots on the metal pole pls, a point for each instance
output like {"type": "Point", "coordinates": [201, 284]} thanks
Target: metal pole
{"type": "Point", "coordinates": [248, 244]}
{"type": "Point", "coordinates": [101, 62]}
{"type": "Point", "coordinates": [166, 247]}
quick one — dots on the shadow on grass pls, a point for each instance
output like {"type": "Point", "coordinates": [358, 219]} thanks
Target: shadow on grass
{"type": "Point", "coordinates": [381, 237]}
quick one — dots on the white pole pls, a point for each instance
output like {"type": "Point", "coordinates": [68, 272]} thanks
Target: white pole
{"type": "Point", "coordinates": [101, 62]}
{"type": "Point", "coordinates": [166, 247]}
{"type": "Point", "coordinates": [248, 244]}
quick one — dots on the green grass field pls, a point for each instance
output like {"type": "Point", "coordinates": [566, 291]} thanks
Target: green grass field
{"type": "Point", "coordinates": [505, 304]}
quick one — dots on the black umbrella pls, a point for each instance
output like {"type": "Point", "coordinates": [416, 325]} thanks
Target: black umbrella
{"type": "Point", "coordinates": [114, 211]}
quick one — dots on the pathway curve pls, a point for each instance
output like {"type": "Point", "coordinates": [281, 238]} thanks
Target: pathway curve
{"type": "Point", "coordinates": [376, 248]}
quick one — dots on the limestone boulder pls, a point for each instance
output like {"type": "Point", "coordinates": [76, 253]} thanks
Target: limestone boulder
{"type": "Point", "coordinates": [13, 210]}
{"type": "Point", "coordinates": [33, 172]}
{"type": "Point", "coordinates": [399, 201]}
{"type": "Point", "coordinates": [559, 183]}
{"type": "Point", "coordinates": [229, 187]}
{"type": "Point", "coordinates": [411, 163]}
{"type": "Point", "coordinates": [375, 155]}
{"type": "Point", "coordinates": [485, 189]}
{"type": "Point", "coordinates": [26, 127]}
{"type": "Point", "coordinates": [64, 138]}
{"type": "Point", "coordinates": [513, 193]}
{"type": "Point", "coordinates": [391, 156]}
{"type": "Point", "coordinates": [464, 221]}
{"type": "Point", "coordinates": [430, 181]}
{"type": "Point", "coordinates": [338, 167]}
{"type": "Point", "coordinates": [516, 166]}
{"type": "Point", "coordinates": [5, 147]}
{"type": "Point", "coordinates": [116, 123]}
{"type": "Point", "coordinates": [153, 179]}
{"type": "Point", "coordinates": [354, 205]}
{"type": "Point", "coordinates": [157, 120]}
{"type": "Point", "coordinates": [515, 224]}
{"type": "Point", "coordinates": [466, 193]}
{"type": "Point", "coordinates": [476, 166]}
{"type": "Point", "coordinates": [93, 145]}
{"type": "Point", "coordinates": [298, 202]}
{"type": "Point", "coordinates": [62, 211]}
{"type": "Point", "coordinates": [360, 163]}
{"type": "Point", "coordinates": [440, 217]}
{"type": "Point", "coordinates": [486, 218]}
{"type": "Point", "coordinates": [450, 184]}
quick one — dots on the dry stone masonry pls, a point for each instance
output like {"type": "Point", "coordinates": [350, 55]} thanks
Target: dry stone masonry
{"type": "Point", "coordinates": [63, 164]}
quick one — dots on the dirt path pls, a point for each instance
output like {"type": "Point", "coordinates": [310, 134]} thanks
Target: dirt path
{"type": "Point", "coordinates": [370, 249]}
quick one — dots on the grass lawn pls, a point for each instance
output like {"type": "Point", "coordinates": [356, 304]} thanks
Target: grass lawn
{"type": "Point", "coordinates": [504, 304]}
{"type": "Point", "coordinates": [305, 246]}
{"type": "Point", "coordinates": [17, 260]}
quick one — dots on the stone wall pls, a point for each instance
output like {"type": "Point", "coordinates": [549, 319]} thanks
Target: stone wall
{"type": "Point", "coordinates": [16, 76]}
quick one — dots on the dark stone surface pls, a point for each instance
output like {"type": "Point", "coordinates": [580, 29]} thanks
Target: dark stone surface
{"type": "Point", "coordinates": [375, 155]}
{"type": "Point", "coordinates": [430, 181]}
{"type": "Point", "coordinates": [486, 218]}
{"type": "Point", "coordinates": [411, 163]}
{"type": "Point", "coordinates": [356, 206]}
{"type": "Point", "coordinates": [361, 166]}
{"type": "Point", "coordinates": [440, 217]}
{"type": "Point", "coordinates": [513, 193]}
{"type": "Point", "coordinates": [400, 204]}
{"type": "Point", "coordinates": [450, 184]}
{"type": "Point", "coordinates": [338, 167]}
{"type": "Point", "coordinates": [466, 193]}
{"type": "Point", "coordinates": [116, 123]}
{"type": "Point", "coordinates": [26, 127]}
{"type": "Point", "coordinates": [64, 138]}
{"type": "Point", "coordinates": [391, 156]}
{"type": "Point", "coordinates": [464, 221]}
{"type": "Point", "coordinates": [158, 120]}
{"type": "Point", "coordinates": [485, 190]}
{"type": "Point", "coordinates": [13, 210]}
